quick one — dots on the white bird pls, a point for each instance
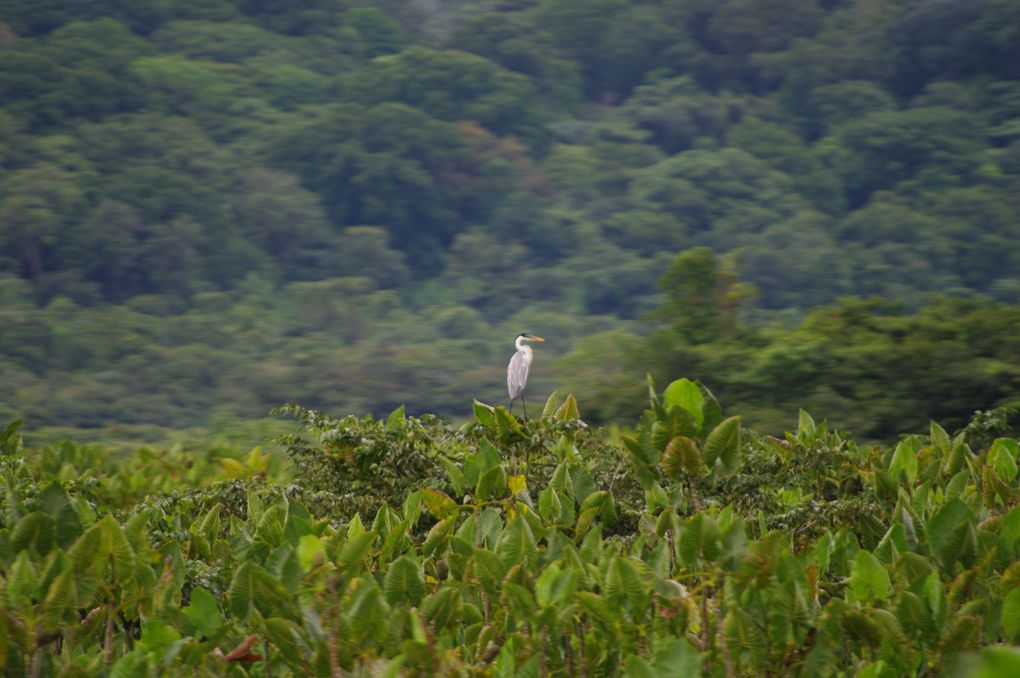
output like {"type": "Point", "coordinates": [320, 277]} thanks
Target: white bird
{"type": "Point", "coordinates": [517, 370]}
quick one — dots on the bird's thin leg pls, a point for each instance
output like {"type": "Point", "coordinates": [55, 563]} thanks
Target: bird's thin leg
{"type": "Point", "coordinates": [525, 403]}
{"type": "Point", "coordinates": [510, 407]}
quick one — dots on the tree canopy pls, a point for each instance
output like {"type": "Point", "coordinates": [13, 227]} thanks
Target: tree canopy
{"type": "Point", "coordinates": [486, 166]}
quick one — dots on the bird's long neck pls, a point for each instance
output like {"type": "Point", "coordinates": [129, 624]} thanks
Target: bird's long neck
{"type": "Point", "coordinates": [525, 349]}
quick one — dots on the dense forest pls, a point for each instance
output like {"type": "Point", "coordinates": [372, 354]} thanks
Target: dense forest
{"type": "Point", "coordinates": [215, 206]}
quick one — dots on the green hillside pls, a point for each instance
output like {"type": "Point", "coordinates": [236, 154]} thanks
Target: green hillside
{"type": "Point", "coordinates": [214, 206]}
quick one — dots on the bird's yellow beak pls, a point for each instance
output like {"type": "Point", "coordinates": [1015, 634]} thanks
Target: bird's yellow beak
{"type": "Point", "coordinates": [538, 339]}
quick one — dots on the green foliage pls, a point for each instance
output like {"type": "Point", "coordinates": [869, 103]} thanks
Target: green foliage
{"type": "Point", "coordinates": [696, 548]}
{"type": "Point", "coordinates": [196, 193]}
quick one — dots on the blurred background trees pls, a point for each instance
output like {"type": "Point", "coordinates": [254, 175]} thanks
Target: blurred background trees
{"type": "Point", "coordinates": [218, 205]}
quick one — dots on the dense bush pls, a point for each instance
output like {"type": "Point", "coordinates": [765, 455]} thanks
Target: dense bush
{"type": "Point", "coordinates": [684, 546]}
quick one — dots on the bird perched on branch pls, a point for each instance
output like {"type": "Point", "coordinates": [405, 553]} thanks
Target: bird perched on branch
{"type": "Point", "coordinates": [517, 370]}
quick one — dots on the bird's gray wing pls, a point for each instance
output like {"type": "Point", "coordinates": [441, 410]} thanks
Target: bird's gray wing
{"type": "Point", "coordinates": [516, 375]}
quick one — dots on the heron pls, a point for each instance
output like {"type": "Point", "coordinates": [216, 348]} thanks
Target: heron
{"type": "Point", "coordinates": [517, 370]}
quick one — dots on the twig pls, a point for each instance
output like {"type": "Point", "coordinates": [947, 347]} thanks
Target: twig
{"type": "Point", "coordinates": [543, 670]}
{"type": "Point", "coordinates": [333, 643]}
{"type": "Point", "coordinates": [720, 637]}
{"type": "Point", "coordinates": [35, 664]}
{"type": "Point", "coordinates": [570, 656]}
{"type": "Point", "coordinates": [108, 639]}
{"type": "Point", "coordinates": [584, 655]}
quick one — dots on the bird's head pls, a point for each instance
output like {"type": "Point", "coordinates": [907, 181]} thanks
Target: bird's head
{"type": "Point", "coordinates": [524, 336]}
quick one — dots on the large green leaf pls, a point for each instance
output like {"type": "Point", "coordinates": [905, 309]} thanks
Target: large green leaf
{"type": "Point", "coordinates": [61, 596]}
{"type": "Point", "coordinates": [396, 420]}
{"type": "Point", "coordinates": [550, 507]}
{"type": "Point", "coordinates": [490, 526]}
{"type": "Point", "coordinates": [519, 601]}
{"type": "Point", "coordinates": [403, 583]}
{"type": "Point", "coordinates": [489, 570]}
{"type": "Point", "coordinates": [568, 410]}
{"type": "Point", "coordinates": [397, 540]}
{"type": "Point", "coordinates": [253, 588]}
{"type": "Point", "coordinates": [354, 550]}
{"type": "Point", "coordinates": [892, 545]}
{"type": "Point", "coordinates": [119, 548]}
{"type": "Point", "coordinates": [711, 409]}
{"type": "Point", "coordinates": [454, 473]}
{"type": "Point", "coordinates": [602, 501]}
{"type": "Point", "coordinates": [639, 461]}
{"type": "Point", "coordinates": [682, 457]}
{"type": "Point", "coordinates": [477, 464]}
{"type": "Point", "coordinates": [805, 427]}
{"type": "Point", "coordinates": [368, 615]}
{"type": "Point", "coordinates": [157, 637]}
{"type": "Point", "coordinates": [435, 540]}
{"type": "Point", "coordinates": [869, 581]}
{"type": "Point", "coordinates": [957, 484]}
{"type": "Point", "coordinates": [678, 658]}
{"type": "Point", "coordinates": [1011, 616]}
{"type": "Point", "coordinates": [699, 538]}
{"type": "Point", "coordinates": [442, 607]}
{"type": "Point", "coordinates": [411, 509]}
{"type": "Point", "coordinates": [638, 667]}
{"type": "Point", "coordinates": [562, 482]}
{"type": "Point", "coordinates": [438, 503]}
{"type": "Point", "coordinates": [36, 531]}
{"type": "Point", "coordinates": [285, 635]}
{"type": "Point", "coordinates": [761, 559]}
{"type": "Point", "coordinates": [598, 607]}
{"type": "Point", "coordinates": [896, 648]}
{"type": "Point", "coordinates": [946, 531]}
{"type": "Point", "coordinates": [904, 462]}
{"type": "Point", "coordinates": [581, 482]}
{"type": "Point", "coordinates": [11, 442]}
{"type": "Point", "coordinates": [285, 566]}
{"type": "Point", "coordinates": [23, 581]}
{"type": "Point", "coordinates": [624, 585]}
{"type": "Point", "coordinates": [269, 530]}
{"type": "Point", "coordinates": [55, 502]}
{"type": "Point", "coordinates": [311, 552]}
{"type": "Point", "coordinates": [1009, 530]}
{"type": "Point", "coordinates": [723, 444]}
{"type": "Point", "coordinates": [556, 586]}
{"type": "Point", "coordinates": [202, 612]}
{"type": "Point", "coordinates": [299, 523]}
{"type": "Point", "coordinates": [551, 404]}
{"type": "Point", "coordinates": [998, 662]}
{"type": "Point", "coordinates": [491, 484]}
{"type": "Point", "coordinates": [686, 394]}
{"type": "Point", "coordinates": [131, 665]}
{"type": "Point", "coordinates": [678, 421]}
{"type": "Point", "coordinates": [517, 544]}
{"type": "Point", "coordinates": [484, 414]}
{"type": "Point", "coordinates": [508, 429]}
{"type": "Point", "coordinates": [241, 594]}
{"type": "Point", "coordinates": [915, 616]}
{"type": "Point", "coordinates": [1002, 456]}
{"type": "Point", "coordinates": [939, 438]}
{"type": "Point", "coordinates": [747, 640]}
{"type": "Point", "coordinates": [102, 553]}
